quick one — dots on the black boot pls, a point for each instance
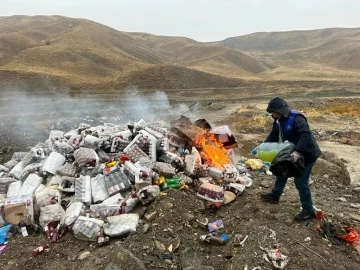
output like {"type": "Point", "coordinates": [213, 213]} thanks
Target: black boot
{"type": "Point", "coordinates": [269, 197]}
{"type": "Point", "coordinates": [305, 215]}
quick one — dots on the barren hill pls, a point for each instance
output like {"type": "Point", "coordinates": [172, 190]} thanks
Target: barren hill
{"type": "Point", "coordinates": [289, 40]}
{"type": "Point", "coordinates": [177, 77]}
{"type": "Point", "coordinates": [38, 51]}
{"type": "Point", "coordinates": [218, 60]}
{"type": "Point", "coordinates": [79, 53]}
{"type": "Point", "coordinates": [325, 54]}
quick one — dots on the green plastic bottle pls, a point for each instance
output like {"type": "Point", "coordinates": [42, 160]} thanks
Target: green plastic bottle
{"type": "Point", "coordinates": [173, 182]}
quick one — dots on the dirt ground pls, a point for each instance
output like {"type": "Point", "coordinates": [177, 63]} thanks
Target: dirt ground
{"type": "Point", "coordinates": [266, 225]}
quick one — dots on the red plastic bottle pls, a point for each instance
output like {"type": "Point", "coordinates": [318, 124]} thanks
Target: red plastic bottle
{"type": "Point", "coordinates": [63, 231]}
{"type": "Point", "coordinates": [39, 250]}
{"type": "Point", "coordinates": [55, 235]}
{"type": "Point", "coordinates": [50, 227]}
{"type": "Point", "coordinates": [47, 231]}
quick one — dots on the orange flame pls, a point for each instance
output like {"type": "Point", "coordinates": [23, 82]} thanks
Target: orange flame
{"type": "Point", "coordinates": [212, 152]}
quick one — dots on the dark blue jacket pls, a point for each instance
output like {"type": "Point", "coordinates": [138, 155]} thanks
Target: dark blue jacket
{"type": "Point", "coordinates": [295, 129]}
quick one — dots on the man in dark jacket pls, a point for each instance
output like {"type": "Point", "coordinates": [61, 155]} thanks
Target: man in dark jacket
{"type": "Point", "coordinates": [290, 125]}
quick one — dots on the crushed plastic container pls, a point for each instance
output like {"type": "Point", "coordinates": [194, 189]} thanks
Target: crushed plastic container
{"type": "Point", "coordinates": [267, 151]}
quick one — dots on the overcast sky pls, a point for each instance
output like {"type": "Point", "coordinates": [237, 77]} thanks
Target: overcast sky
{"type": "Point", "coordinates": [202, 20]}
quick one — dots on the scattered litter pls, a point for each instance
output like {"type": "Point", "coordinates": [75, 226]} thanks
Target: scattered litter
{"type": "Point", "coordinates": [216, 225]}
{"type": "Point", "coordinates": [275, 257]}
{"type": "Point", "coordinates": [88, 180]}
{"type": "Point", "coordinates": [351, 235]}
{"type": "Point", "coordinates": [215, 239]}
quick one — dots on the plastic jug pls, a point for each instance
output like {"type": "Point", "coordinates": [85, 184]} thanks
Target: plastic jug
{"type": "Point", "coordinates": [267, 151]}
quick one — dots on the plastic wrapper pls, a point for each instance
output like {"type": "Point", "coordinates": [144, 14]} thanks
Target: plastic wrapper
{"type": "Point", "coordinates": [192, 161]}
{"type": "Point", "coordinates": [99, 191]}
{"type": "Point", "coordinates": [103, 156]}
{"type": "Point", "coordinates": [18, 156]}
{"type": "Point", "coordinates": [236, 188]}
{"type": "Point", "coordinates": [31, 168]}
{"type": "Point", "coordinates": [75, 140]}
{"type": "Point", "coordinates": [55, 135]}
{"type": "Point", "coordinates": [51, 212]}
{"type": "Point", "coordinates": [70, 133]}
{"type": "Point", "coordinates": [72, 213]}
{"type": "Point", "coordinates": [245, 180]}
{"type": "Point", "coordinates": [216, 173]}
{"type": "Point", "coordinates": [35, 155]}
{"type": "Point", "coordinates": [151, 144]}
{"type": "Point", "coordinates": [131, 171]}
{"type": "Point", "coordinates": [216, 225]}
{"type": "Point", "coordinates": [17, 170]}
{"type": "Point", "coordinates": [48, 195]}
{"type": "Point", "coordinates": [87, 228]}
{"type": "Point", "coordinates": [67, 170]}
{"type": "Point", "coordinates": [135, 153]}
{"type": "Point", "coordinates": [230, 173]}
{"type": "Point", "coordinates": [157, 133]}
{"type": "Point", "coordinates": [40, 188]}
{"type": "Point", "coordinates": [11, 164]}
{"type": "Point", "coordinates": [117, 182]}
{"type": "Point", "coordinates": [86, 157]}
{"type": "Point", "coordinates": [53, 162]}
{"type": "Point", "coordinates": [63, 148]}
{"type": "Point", "coordinates": [126, 149]}
{"type": "Point", "coordinates": [211, 192]}
{"type": "Point", "coordinates": [121, 225]}
{"type": "Point", "coordinates": [130, 204]}
{"type": "Point", "coordinates": [31, 183]}
{"type": "Point", "coordinates": [54, 180]}
{"type": "Point", "coordinates": [164, 169]}
{"type": "Point", "coordinates": [93, 171]}
{"type": "Point", "coordinates": [83, 189]}
{"type": "Point", "coordinates": [118, 144]}
{"type": "Point", "coordinates": [109, 170]}
{"type": "Point", "coordinates": [144, 162]}
{"type": "Point", "coordinates": [91, 142]}
{"type": "Point", "coordinates": [102, 211]}
{"type": "Point", "coordinates": [172, 159]}
{"type": "Point", "coordinates": [202, 171]}
{"type": "Point", "coordinates": [3, 168]}
{"type": "Point", "coordinates": [14, 189]}
{"type": "Point", "coordinates": [115, 199]}
{"type": "Point", "coordinates": [4, 184]}
{"type": "Point", "coordinates": [175, 140]}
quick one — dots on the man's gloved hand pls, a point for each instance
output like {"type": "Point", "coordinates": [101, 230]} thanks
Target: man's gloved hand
{"type": "Point", "coordinates": [295, 156]}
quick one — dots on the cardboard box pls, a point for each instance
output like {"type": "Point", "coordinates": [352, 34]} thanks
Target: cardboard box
{"type": "Point", "coordinates": [14, 213]}
{"type": "Point", "coordinates": [19, 207]}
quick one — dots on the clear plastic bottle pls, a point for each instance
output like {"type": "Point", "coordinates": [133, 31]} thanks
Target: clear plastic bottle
{"type": "Point", "coordinates": [267, 151]}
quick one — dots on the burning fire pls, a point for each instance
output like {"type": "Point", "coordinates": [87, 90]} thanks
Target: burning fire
{"type": "Point", "coordinates": [212, 152]}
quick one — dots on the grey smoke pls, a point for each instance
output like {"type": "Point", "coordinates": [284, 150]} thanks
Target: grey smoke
{"type": "Point", "coordinates": [28, 116]}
